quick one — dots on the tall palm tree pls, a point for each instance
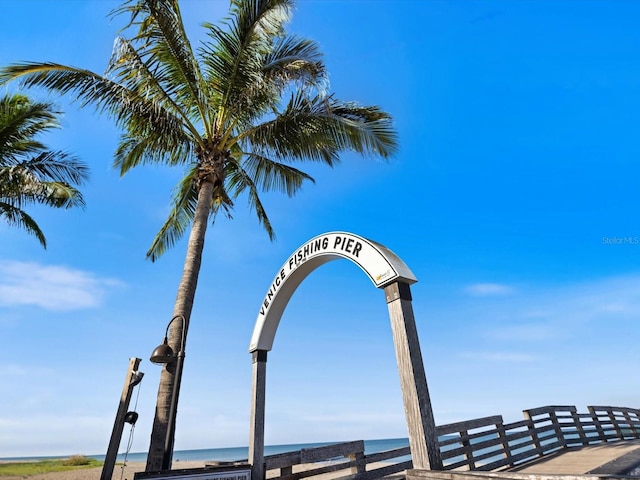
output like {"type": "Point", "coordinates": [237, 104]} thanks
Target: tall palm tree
{"type": "Point", "coordinates": [30, 173]}
{"type": "Point", "coordinates": [235, 114]}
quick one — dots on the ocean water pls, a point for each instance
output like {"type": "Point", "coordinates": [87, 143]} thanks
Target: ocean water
{"type": "Point", "coordinates": [240, 453]}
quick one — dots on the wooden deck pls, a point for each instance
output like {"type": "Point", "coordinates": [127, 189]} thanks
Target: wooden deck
{"type": "Point", "coordinates": [615, 458]}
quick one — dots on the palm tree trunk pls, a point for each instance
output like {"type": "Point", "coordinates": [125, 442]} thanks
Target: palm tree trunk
{"type": "Point", "coordinates": [182, 307]}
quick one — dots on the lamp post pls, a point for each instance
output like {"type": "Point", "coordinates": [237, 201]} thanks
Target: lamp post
{"type": "Point", "coordinates": [162, 355]}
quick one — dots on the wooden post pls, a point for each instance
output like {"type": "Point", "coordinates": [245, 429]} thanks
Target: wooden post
{"type": "Point", "coordinates": [502, 435]}
{"type": "Point", "coordinates": [132, 379]}
{"type": "Point", "coordinates": [582, 436]}
{"type": "Point", "coordinates": [553, 416]}
{"type": "Point", "coordinates": [423, 439]}
{"type": "Point", "coordinates": [596, 421]}
{"type": "Point", "coordinates": [468, 451]}
{"type": "Point", "coordinates": [256, 437]}
{"type": "Point", "coordinates": [632, 424]}
{"type": "Point", "coordinates": [533, 431]}
{"type": "Point", "coordinates": [359, 460]}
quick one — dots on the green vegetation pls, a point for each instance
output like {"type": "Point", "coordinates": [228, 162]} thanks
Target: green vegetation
{"type": "Point", "coordinates": [30, 173]}
{"type": "Point", "coordinates": [25, 469]}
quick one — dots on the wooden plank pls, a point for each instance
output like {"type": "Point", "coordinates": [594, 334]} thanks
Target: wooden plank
{"type": "Point", "coordinates": [468, 425]}
{"type": "Point", "coordinates": [379, 472]}
{"type": "Point", "coordinates": [534, 412]}
{"type": "Point", "coordinates": [281, 460]}
{"type": "Point", "coordinates": [520, 424]}
{"type": "Point", "coordinates": [333, 467]}
{"type": "Point", "coordinates": [483, 456]}
{"type": "Point", "coordinates": [518, 434]}
{"type": "Point", "coordinates": [381, 456]}
{"type": "Point", "coordinates": [316, 454]}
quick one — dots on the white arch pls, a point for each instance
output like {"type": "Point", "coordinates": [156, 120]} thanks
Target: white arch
{"type": "Point", "coordinates": [386, 271]}
{"type": "Point", "coordinates": [378, 262]}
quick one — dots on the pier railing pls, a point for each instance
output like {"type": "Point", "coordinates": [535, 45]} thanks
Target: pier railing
{"type": "Point", "coordinates": [342, 460]}
{"type": "Point", "coordinates": [490, 444]}
{"type": "Point", "coordinates": [482, 444]}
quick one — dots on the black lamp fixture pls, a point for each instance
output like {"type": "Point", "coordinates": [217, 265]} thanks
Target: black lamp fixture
{"type": "Point", "coordinates": [162, 355]}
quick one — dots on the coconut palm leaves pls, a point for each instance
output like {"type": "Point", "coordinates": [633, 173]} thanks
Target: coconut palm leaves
{"type": "Point", "coordinates": [234, 114]}
{"type": "Point", "coordinates": [249, 92]}
{"type": "Point", "coordinates": [29, 172]}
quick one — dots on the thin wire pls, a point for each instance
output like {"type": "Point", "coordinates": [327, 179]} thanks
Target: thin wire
{"type": "Point", "coordinates": [130, 442]}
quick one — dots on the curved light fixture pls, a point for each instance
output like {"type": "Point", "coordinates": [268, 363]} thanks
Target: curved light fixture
{"type": "Point", "coordinates": [162, 354]}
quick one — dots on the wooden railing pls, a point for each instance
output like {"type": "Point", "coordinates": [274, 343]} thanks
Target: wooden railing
{"type": "Point", "coordinates": [344, 460]}
{"type": "Point", "coordinates": [482, 444]}
{"type": "Point", "coordinates": [490, 444]}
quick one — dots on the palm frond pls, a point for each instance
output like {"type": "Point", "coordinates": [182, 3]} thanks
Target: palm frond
{"type": "Point", "coordinates": [19, 218]}
{"type": "Point", "coordinates": [20, 121]}
{"type": "Point", "coordinates": [183, 207]}
{"type": "Point", "coordinates": [235, 56]}
{"type": "Point", "coordinates": [319, 128]}
{"type": "Point", "coordinates": [161, 42]}
{"type": "Point", "coordinates": [241, 181]}
{"type": "Point", "coordinates": [127, 107]}
{"type": "Point", "coordinates": [55, 166]}
{"type": "Point", "coordinates": [294, 59]}
{"type": "Point", "coordinates": [267, 175]}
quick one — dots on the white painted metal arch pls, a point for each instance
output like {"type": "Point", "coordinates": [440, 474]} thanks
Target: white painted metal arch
{"type": "Point", "coordinates": [380, 264]}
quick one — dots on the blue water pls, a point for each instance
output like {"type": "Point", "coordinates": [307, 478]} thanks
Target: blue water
{"type": "Point", "coordinates": [241, 453]}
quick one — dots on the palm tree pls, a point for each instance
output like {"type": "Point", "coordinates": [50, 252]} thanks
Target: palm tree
{"type": "Point", "coordinates": [29, 172]}
{"type": "Point", "coordinates": [235, 114]}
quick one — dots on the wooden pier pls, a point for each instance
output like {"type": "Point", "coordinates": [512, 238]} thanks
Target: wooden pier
{"type": "Point", "coordinates": [550, 443]}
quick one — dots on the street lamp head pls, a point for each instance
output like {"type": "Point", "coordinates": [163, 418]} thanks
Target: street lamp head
{"type": "Point", "coordinates": [162, 354]}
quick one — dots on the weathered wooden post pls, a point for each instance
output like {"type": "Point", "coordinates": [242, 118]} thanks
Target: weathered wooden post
{"type": "Point", "coordinates": [256, 437]}
{"type": "Point", "coordinates": [423, 439]}
{"type": "Point", "coordinates": [132, 379]}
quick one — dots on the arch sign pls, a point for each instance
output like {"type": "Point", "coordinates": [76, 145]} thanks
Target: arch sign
{"type": "Point", "coordinates": [380, 264]}
{"type": "Point", "coordinates": [388, 272]}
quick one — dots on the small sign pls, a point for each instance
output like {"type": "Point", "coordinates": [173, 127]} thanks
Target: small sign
{"type": "Point", "coordinates": [206, 473]}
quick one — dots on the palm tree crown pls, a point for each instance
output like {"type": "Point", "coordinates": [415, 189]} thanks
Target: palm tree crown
{"type": "Point", "coordinates": [235, 114]}
{"type": "Point", "coordinates": [29, 172]}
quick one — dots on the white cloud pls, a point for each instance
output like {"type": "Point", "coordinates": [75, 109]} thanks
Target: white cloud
{"type": "Point", "coordinates": [52, 287]}
{"type": "Point", "coordinates": [488, 289]}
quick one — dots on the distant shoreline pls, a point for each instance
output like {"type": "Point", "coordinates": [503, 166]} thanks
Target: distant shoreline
{"type": "Point", "coordinates": [202, 455]}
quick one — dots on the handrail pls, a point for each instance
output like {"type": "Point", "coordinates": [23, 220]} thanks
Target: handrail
{"type": "Point", "coordinates": [489, 444]}
{"type": "Point", "coordinates": [482, 444]}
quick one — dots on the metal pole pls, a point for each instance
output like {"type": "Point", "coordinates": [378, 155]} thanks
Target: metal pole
{"type": "Point", "coordinates": [167, 455]}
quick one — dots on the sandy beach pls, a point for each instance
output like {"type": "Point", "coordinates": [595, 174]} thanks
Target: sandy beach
{"type": "Point", "coordinates": [120, 472]}
{"type": "Point", "coordinates": [126, 472]}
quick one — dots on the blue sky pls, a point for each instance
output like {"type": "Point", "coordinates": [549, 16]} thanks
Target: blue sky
{"type": "Point", "coordinates": [513, 199]}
